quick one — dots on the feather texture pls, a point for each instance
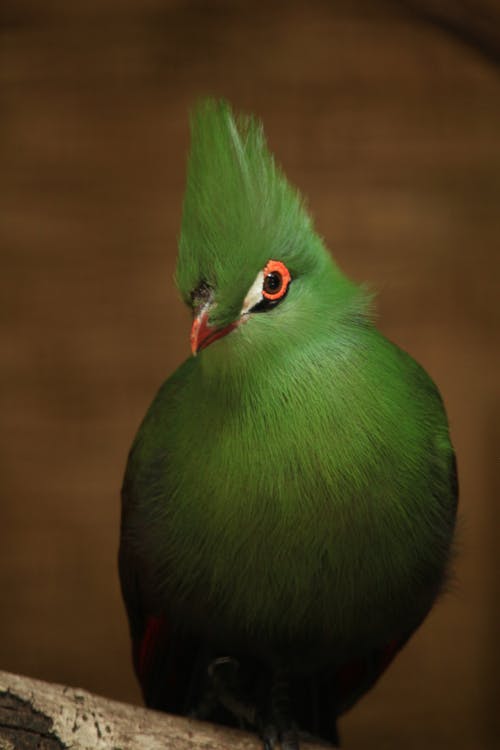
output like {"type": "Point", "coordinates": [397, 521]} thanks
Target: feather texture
{"type": "Point", "coordinates": [291, 492]}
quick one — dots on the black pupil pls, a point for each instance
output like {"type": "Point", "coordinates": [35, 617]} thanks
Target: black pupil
{"type": "Point", "coordinates": [273, 282]}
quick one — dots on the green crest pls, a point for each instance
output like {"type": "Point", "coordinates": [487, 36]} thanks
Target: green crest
{"type": "Point", "coordinates": [239, 210]}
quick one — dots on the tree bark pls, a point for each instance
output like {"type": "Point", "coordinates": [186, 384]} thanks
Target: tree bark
{"type": "Point", "coordinates": [36, 715]}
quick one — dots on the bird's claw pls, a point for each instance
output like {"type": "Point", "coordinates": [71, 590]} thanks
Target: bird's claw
{"type": "Point", "coordinates": [285, 740]}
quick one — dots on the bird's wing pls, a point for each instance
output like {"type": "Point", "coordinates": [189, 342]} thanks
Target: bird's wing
{"type": "Point", "coordinates": [355, 677]}
{"type": "Point", "coordinates": [163, 658]}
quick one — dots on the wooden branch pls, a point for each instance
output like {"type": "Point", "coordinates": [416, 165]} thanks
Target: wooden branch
{"type": "Point", "coordinates": [36, 715]}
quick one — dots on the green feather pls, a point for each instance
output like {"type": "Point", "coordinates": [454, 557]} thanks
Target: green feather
{"type": "Point", "coordinates": [304, 441]}
{"type": "Point", "coordinates": [293, 483]}
{"type": "Point", "coordinates": [239, 211]}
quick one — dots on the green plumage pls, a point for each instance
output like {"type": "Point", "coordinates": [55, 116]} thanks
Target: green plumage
{"type": "Point", "coordinates": [291, 492]}
{"type": "Point", "coordinates": [239, 210]}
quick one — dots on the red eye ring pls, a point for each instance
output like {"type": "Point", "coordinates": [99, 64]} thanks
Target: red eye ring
{"type": "Point", "coordinates": [276, 279]}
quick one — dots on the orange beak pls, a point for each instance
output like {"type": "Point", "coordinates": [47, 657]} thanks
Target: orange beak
{"type": "Point", "coordinates": [202, 335]}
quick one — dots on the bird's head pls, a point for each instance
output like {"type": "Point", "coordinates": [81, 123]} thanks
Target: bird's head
{"type": "Point", "coordinates": [250, 264]}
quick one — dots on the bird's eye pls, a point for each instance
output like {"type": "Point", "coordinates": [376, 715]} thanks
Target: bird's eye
{"type": "Point", "coordinates": [268, 289]}
{"type": "Point", "coordinates": [272, 283]}
{"type": "Point", "coordinates": [276, 280]}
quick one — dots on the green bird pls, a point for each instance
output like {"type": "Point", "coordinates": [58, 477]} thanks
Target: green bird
{"type": "Point", "coordinates": [289, 501]}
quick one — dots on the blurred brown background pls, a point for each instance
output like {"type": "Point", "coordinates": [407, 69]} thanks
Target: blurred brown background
{"type": "Point", "coordinates": [387, 116]}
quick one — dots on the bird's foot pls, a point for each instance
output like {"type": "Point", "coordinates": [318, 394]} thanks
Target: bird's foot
{"type": "Point", "coordinates": [274, 723]}
{"type": "Point", "coordinates": [225, 680]}
{"type": "Point", "coordinates": [285, 739]}
{"type": "Point", "coordinates": [280, 731]}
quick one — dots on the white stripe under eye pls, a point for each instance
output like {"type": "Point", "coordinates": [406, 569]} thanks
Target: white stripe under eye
{"type": "Point", "coordinates": [254, 294]}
